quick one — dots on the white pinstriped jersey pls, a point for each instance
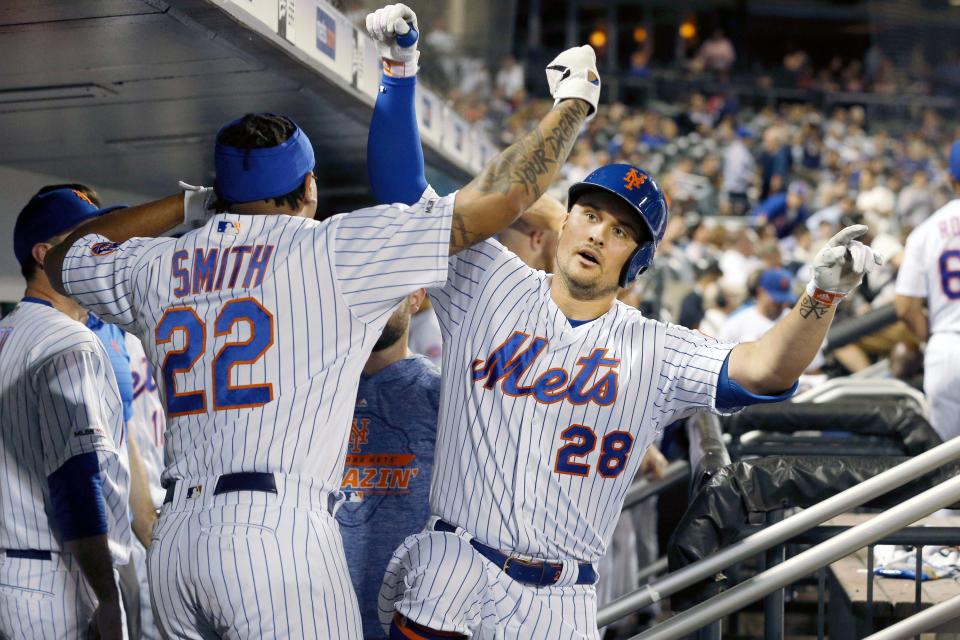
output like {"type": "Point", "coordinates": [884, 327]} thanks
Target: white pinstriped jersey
{"type": "Point", "coordinates": [543, 426]}
{"type": "Point", "coordinates": [58, 399]}
{"type": "Point", "coordinates": [259, 326]}
{"type": "Point", "coordinates": [931, 267]}
{"type": "Point", "coordinates": [148, 421]}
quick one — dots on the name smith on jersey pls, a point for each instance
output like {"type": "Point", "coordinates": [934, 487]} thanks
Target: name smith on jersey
{"type": "Point", "coordinates": [206, 269]}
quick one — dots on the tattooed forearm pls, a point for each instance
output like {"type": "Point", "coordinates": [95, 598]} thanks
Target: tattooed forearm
{"type": "Point", "coordinates": [810, 307]}
{"type": "Point", "coordinates": [461, 236]}
{"type": "Point", "coordinates": [528, 165]}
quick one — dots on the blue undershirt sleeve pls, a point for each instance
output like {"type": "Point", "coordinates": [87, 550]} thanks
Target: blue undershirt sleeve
{"type": "Point", "coordinates": [76, 491]}
{"type": "Point", "coordinates": [731, 395]}
{"type": "Point", "coordinates": [394, 153]}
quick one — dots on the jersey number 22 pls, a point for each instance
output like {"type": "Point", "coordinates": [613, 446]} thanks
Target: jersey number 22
{"type": "Point", "coordinates": [181, 360]}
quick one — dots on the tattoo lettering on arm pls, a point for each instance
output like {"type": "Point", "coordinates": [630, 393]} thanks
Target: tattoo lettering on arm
{"type": "Point", "coordinates": [517, 177]}
{"type": "Point", "coordinates": [526, 163]}
{"type": "Point", "coordinates": [810, 307]}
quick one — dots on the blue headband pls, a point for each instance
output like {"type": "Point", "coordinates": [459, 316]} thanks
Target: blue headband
{"type": "Point", "coordinates": [248, 175]}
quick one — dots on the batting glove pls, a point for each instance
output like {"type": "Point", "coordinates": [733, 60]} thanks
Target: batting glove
{"type": "Point", "coordinates": [197, 203]}
{"type": "Point", "coordinates": [394, 29]}
{"type": "Point", "coordinates": [573, 74]}
{"type": "Point", "coordinates": [839, 267]}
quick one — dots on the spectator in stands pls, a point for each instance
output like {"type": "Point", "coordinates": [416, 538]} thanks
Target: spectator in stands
{"type": "Point", "coordinates": [692, 309]}
{"type": "Point", "coordinates": [392, 437]}
{"type": "Point", "coordinates": [740, 260]}
{"type": "Point", "coordinates": [739, 171]}
{"type": "Point", "coordinates": [716, 54]}
{"type": "Point", "coordinates": [915, 202]}
{"type": "Point", "coordinates": [785, 211]}
{"type": "Point", "coordinates": [774, 163]}
{"type": "Point", "coordinates": [509, 80]}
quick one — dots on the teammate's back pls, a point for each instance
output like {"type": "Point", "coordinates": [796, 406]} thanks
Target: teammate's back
{"type": "Point", "coordinates": [258, 329]}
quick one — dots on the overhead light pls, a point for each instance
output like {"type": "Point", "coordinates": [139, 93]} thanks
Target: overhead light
{"type": "Point", "coordinates": [52, 94]}
{"type": "Point", "coordinates": [598, 39]}
{"type": "Point", "coordinates": [688, 30]}
{"type": "Point", "coordinates": [640, 34]}
{"type": "Point", "coordinates": [153, 142]}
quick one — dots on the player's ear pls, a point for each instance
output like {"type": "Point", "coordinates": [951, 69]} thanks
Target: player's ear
{"type": "Point", "coordinates": [537, 239]}
{"type": "Point", "coordinates": [39, 252]}
{"type": "Point", "coordinates": [416, 299]}
{"type": "Point", "coordinates": [310, 188]}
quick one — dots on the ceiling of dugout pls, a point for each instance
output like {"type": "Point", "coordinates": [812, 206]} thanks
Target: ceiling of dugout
{"type": "Point", "coordinates": [128, 94]}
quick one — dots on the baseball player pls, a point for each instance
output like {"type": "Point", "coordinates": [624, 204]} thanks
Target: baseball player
{"type": "Point", "coordinates": [258, 324]}
{"type": "Point", "coordinates": [930, 274]}
{"type": "Point", "coordinates": [551, 392]}
{"type": "Point", "coordinates": [64, 522]}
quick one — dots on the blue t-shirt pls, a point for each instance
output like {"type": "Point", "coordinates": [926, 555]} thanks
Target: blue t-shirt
{"type": "Point", "coordinates": [112, 339]}
{"type": "Point", "coordinates": [387, 473]}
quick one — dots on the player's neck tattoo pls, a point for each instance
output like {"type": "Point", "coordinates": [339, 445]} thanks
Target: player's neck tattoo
{"type": "Point", "coordinates": [810, 307]}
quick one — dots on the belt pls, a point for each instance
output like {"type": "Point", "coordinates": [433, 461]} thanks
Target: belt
{"type": "Point", "coordinates": [28, 554]}
{"type": "Point", "coordinates": [229, 482]}
{"type": "Point", "coordinates": [539, 574]}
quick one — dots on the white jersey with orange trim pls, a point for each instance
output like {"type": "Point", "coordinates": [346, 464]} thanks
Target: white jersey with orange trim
{"type": "Point", "coordinates": [258, 326]}
{"type": "Point", "coordinates": [542, 425]}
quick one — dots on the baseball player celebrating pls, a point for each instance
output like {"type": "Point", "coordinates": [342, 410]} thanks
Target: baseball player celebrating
{"type": "Point", "coordinates": [258, 324]}
{"type": "Point", "coordinates": [551, 392]}
{"type": "Point", "coordinates": [64, 494]}
{"type": "Point", "coordinates": [930, 273]}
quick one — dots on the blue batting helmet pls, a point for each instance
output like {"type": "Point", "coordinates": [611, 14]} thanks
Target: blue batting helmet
{"type": "Point", "coordinates": [640, 191]}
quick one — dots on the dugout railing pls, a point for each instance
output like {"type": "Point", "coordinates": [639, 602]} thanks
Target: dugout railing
{"type": "Point", "coordinates": [778, 533]}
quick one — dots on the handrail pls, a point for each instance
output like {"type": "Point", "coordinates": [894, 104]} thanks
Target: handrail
{"type": "Point", "coordinates": [838, 387]}
{"type": "Point", "coordinates": [677, 471]}
{"type": "Point", "coordinates": [807, 562]}
{"type": "Point", "coordinates": [926, 620]}
{"type": "Point", "coordinates": [781, 531]}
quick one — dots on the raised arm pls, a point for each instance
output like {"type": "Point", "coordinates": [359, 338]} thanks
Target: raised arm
{"type": "Point", "coordinates": [517, 177]}
{"type": "Point", "coordinates": [775, 361]}
{"type": "Point", "coordinates": [394, 153]}
{"type": "Point", "coordinates": [143, 221]}
{"type": "Point", "coordinates": [513, 180]}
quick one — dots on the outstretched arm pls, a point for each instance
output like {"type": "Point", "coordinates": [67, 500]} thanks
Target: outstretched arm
{"type": "Point", "coordinates": [775, 361]}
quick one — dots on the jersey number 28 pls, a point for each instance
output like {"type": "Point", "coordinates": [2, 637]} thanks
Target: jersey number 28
{"type": "Point", "coordinates": [226, 395]}
{"type": "Point", "coordinates": [581, 441]}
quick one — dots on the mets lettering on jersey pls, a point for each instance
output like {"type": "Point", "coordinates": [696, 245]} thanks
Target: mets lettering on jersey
{"type": "Point", "coordinates": [573, 408]}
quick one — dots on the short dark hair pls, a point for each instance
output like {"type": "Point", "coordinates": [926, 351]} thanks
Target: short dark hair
{"type": "Point", "coordinates": [259, 131]}
{"type": "Point", "coordinates": [88, 191]}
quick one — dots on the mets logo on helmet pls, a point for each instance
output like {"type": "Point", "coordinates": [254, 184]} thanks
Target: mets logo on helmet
{"type": "Point", "coordinates": [633, 179]}
{"type": "Point", "coordinates": [103, 248]}
{"type": "Point", "coordinates": [83, 196]}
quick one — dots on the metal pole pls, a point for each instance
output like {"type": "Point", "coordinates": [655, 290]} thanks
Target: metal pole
{"type": "Point", "coordinates": [773, 604]}
{"type": "Point", "coordinates": [782, 531]}
{"type": "Point", "coordinates": [640, 490]}
{"type": "Point", "coordinates": [806, 563]}
{"type": "Point", "coordinates": [927, 620]}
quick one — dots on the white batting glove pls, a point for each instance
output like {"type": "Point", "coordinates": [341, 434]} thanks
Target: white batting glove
{"type": "Point", "coordinates": [573, 74]}
{"type": "Point", "coordinates": [394, 29]}
{"type": "Point", "coordinates": [197, 203]}
{"type": "Point", "coordinates": [839, 267]}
